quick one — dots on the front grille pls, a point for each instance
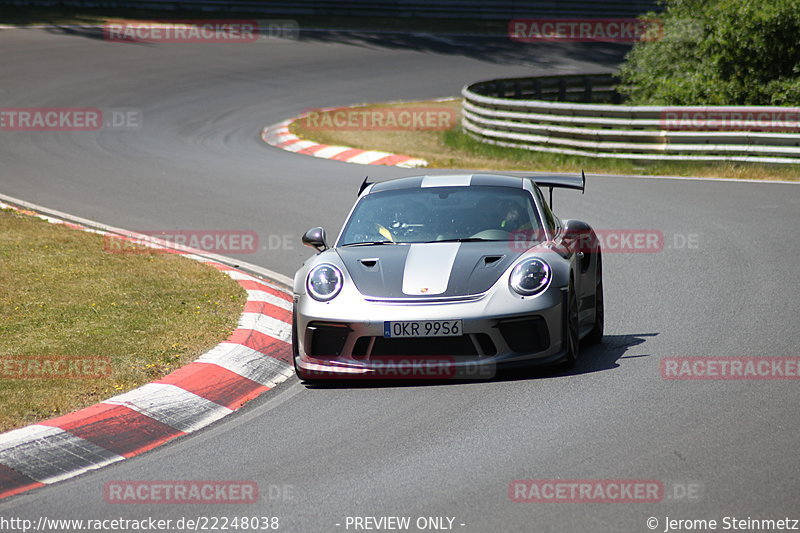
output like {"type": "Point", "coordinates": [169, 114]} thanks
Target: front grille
{"type": "Point", "coordinates": [327, 340]}
{"type": "Point", "coordinates": [454, 346]}
{"type": "Point", "coordinates": [526, 335]}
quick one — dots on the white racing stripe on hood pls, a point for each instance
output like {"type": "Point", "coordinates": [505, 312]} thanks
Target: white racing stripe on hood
{"type": "Point", "coordinates": [428, 267]}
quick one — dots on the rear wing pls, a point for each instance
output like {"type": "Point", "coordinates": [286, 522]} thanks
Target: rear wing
{"type": "Point", "coordinates": [561, 182]}
{"type": "Point", "coordinates": [366, 183]}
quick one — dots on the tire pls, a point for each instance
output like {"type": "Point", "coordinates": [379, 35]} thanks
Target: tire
{"type": "Point", "coordinates": [595, 336]}
{"type": "Point", "coordinates": [573, 332]}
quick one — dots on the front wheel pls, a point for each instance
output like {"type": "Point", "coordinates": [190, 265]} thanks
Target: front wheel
{"type": "Point", "coordinates": [596, 335]}
{"type": "Point", "coordinates": [573, 334]}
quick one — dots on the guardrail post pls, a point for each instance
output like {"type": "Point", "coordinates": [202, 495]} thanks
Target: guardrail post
{"type": "Point", "coordinates": [587, 89]}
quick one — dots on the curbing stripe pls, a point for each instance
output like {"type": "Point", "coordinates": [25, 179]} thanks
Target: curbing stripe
{"type": "Point", "coordinates": [263, 343]}
{"type": "Point", "coordinates": [296, 146]}
{"type": "Point", "coordinates": [249, 363]}
{"type": "Point", "coordinates": [268, 309]}
{"type": "Point", "coordinates": [287, 143]}
{"type": "Point", "coordinates": [172, 405]}
{"type": "Point", "coordinates": [262, 287]}
{"type": "Point", "coordinates": [116, 428]}
{"type": "Point", "coordinates": [329, 152]}
{"type": "Point", "coordinates": [215, 383]}
{"type": "Point", "coordinates": [47, 454]}
{"type": "Point", "coordinates": [392, 159]}
{"type": "Point", "coordinates": [279, 136]}
{"type": "Point", "coordinates": [311, 150]}
{"type": "Point", "coordinates": [371, 156]}
{"type": "Point", "coordinates": [277, 329]}
{"type": "Point", "coordinates": [265, 297]}
{"type": "Point", "coordinates": [347, 155]}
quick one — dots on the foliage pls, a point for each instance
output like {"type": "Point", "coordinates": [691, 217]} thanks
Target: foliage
{"type": "Point", "coordinates": [718, 52]}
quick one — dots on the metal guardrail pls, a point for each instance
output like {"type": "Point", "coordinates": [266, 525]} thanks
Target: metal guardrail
{"type": "Point", "coordinates": [561, 114]}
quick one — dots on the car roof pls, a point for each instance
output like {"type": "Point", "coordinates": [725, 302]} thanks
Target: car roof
{"type": "Point", "coordinates": [448, 180]}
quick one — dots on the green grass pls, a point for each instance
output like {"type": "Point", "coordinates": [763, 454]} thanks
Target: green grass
{"type": "Point", "coordinates": [61, 294]}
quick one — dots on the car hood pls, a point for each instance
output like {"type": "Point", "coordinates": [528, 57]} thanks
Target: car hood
{"type": "Point", "coordinates": [433, 270]}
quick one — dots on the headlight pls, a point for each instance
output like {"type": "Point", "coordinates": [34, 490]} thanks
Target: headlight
{"type": "Point", "coordinates": [530, 277]}
{"type": "Point", "coordinates": [324, 282]}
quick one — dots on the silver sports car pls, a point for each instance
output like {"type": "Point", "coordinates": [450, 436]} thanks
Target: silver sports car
{"type": "Point", "coordinates": [448, 276]}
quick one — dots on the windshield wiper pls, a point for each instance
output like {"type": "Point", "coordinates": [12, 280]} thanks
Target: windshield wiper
{"type": "Point", "coordinates": [368, 243]}
{"type": "Point", "coordinates": [466, 239]}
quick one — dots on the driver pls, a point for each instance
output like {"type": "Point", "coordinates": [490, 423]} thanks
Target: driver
{"type": "Point", "coordinates": [504, 215]}
{"type": "Point", "coordinates": [511, 216]}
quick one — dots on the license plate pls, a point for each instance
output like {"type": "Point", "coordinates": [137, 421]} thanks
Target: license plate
{"type": "Point", "coordinates": [423, 328]}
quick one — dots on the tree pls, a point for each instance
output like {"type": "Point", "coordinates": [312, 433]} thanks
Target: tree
{"type": "Point", "coordinates": [718, 52]}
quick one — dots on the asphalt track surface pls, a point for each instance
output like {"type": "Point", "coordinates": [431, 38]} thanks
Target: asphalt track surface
{"type": "Point", "coordinates": [424, 449]}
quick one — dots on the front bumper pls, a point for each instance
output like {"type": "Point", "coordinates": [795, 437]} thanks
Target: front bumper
{"type": "Point", "coordinates": [345, 338]}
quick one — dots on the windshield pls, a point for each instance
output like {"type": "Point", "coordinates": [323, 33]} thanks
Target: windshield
{"type": "Point", "coordinates": [431, 214]}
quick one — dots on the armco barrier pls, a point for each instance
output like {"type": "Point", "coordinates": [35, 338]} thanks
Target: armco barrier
{"type": "Point", "coordinates": [560, 114]}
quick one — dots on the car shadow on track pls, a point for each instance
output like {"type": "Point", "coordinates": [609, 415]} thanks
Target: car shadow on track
{"type": "Point", "coordinates": [605, 356]}
{"type": "Point", "coordinates": [596, 358]}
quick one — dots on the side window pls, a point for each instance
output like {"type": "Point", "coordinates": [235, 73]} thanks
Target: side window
{"type": "Point", "coordinates": [549, 218]}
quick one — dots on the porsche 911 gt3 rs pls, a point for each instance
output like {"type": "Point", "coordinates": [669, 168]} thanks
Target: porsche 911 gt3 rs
{"type": "Point", "coordinates": [475, 270]}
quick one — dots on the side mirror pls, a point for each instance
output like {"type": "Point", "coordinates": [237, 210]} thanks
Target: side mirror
{"type": "Point", "coordinates": [315, 238]}
{"type": "Point", "coordinates": [579, 235]}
